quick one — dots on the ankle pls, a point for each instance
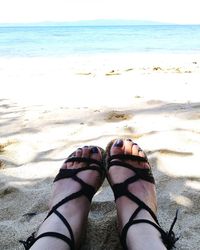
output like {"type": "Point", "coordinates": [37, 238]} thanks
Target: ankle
{"type": "Point", "coordinates": [144, 236]}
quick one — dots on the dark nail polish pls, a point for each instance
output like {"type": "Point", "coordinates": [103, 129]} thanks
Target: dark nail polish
{"type": "Point", "coordinates": [118, 143]}
{"type": "Point", "coordinates": [85, 146]}
{"type": "Point", "coordinates": [94, 150]}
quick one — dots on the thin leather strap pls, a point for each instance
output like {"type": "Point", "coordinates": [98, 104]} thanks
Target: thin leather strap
{"type": "Point", "coordinates": [127, 157]}
{"type": "Point", "coordinates": [57, 235]}
{"type": "Point", "coordinates": [121, 189]}
{"type": "Point", "coordinates": [86, 190]}
{"type": "Point", "coordinates": [132, 222]}
{"type": "Point", "coordinates": [69, 173]}
{"type": "Point", "coordinates": [143, 173]}
{"type": "Point", "coordinates": [66, 199]}
{"type": "Point", "coordinates": [31, 239]}
{"type": "Point", "coordinates": [67, 225]}
{"type": "Point", "coordinates": [89, 161]}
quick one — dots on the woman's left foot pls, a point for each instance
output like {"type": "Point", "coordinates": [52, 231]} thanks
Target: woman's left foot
{"type": "Point", "coordinates": [129, 173]}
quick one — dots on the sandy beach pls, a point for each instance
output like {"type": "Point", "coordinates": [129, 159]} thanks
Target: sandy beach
{"type": "Point", "coordinates": [50, 106]}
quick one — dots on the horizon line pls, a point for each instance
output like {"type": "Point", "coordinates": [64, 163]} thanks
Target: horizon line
{"type": "Point", "coordinates": [95, 22]}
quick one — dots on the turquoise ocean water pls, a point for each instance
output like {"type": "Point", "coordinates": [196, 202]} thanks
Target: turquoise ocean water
{"type": "Point", "coordinates": [60, 41]}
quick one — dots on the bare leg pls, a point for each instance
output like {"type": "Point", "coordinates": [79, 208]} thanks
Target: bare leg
{"type": "Point", "coordinates": [75, 211]}
{"type": "Point", "coordinates": [140, 236]}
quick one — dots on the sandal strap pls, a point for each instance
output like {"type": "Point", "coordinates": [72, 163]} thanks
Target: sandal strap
{"type": "Point", "coordinates": [83, 159]}
{"type": "Point", "coordinates": [121, 189]}
{"type": "Point", "coordinates": [69, 173]}
{"type": "Point", "coordinates": [92, 164]}
{"type": "Point", "coordinates": [68, 227]}
{"type": "Point", "coordinates": [57, 235]}
{"type": "Point", "coordinates": [132, 222]}
{"type": "Point", "coordinates": [89, 161]}
{"type": "Point", "coordinates": [128, 157]}
{"type": "Point", "coordinates": [169, 239]}
{"type": "Point", "coordinates": [86, 190]}
{"type": "Point", "coordinates": [141, 173]}
{"type": "Point", "coordinates": [31, 240]}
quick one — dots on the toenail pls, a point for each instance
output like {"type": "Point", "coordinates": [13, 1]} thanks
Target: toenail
{"type": "Point", "coordinates": [118, 143]}
{"type": "Point", "coordinates": [85, 146]}
{"type": "Point", "coordinates": [94, 150]}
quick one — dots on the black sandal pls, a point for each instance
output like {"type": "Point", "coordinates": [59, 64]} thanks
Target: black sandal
{"type": "Point", "coordinates": [121, 189]}
{"type": "Point", "coordinates": [86, 190]}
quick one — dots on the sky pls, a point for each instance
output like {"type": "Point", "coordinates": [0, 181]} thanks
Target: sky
{"type": "Point", "coordinates": [170, 11]}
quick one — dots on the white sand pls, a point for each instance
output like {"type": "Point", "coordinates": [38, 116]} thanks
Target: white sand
{"type": "Point", "coordinates": [50, 106]}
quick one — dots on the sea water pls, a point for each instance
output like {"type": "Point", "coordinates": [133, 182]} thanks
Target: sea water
{"type": "Point", "coordinates": [61, 41]}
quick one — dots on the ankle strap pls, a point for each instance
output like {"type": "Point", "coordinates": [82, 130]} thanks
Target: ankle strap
{"type": "Point", "coordinates": [168, 238]}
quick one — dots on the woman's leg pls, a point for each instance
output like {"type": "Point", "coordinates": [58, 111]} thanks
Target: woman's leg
{"type": "Point", "coordinates": [141, 236]}
{"type": "Point", "coordinates": [76, 210]}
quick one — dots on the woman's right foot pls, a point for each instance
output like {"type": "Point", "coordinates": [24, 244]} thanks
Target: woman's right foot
{"type": "Point", "coordinates": [139, 236]}
{"type": "Point", "coordinates": [76, 210]}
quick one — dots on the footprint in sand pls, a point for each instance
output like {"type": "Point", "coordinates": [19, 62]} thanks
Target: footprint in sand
{"type": "Point", "coordinates": [6, 190]}
{"type": "Point", "coordinates": [117, 116]}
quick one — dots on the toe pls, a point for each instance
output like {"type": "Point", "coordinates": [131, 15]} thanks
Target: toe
{"type": "Point", "coordinates": [128, 146]}
{"type": "Point", "coordinates": [78, 152]}
{"type": "Point", "coordinates": [135, 149]}
{"type": "Point", "coordinates": [141, 153]}
{"type": "Point", "coordinates": [95, 153]}
{"type": "Point", "coordinates": [85, 153]}
{"type": "Point", "coordinates": [117, 147]}
{"type": "Point", "coordinates": [69, 164]}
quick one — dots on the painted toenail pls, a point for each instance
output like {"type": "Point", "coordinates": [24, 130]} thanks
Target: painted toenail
{"type": "Point", "coordinates": [129, 139]}
{"type": "Point", "coordinates": [118, 143]}
{"type": "Point", "coordinates": [94, 150]}
{"type": "Point", "coordinates": [85, 146]}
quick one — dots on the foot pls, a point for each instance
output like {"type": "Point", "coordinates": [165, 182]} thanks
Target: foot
{"type": "Point", "coordinates": [75, 211]}
{"type": "Point", "coordinates": [139, 236]}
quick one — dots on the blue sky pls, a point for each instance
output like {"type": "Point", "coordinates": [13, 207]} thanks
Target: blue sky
{"type": "Point", "coordinates": [171, 11]}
